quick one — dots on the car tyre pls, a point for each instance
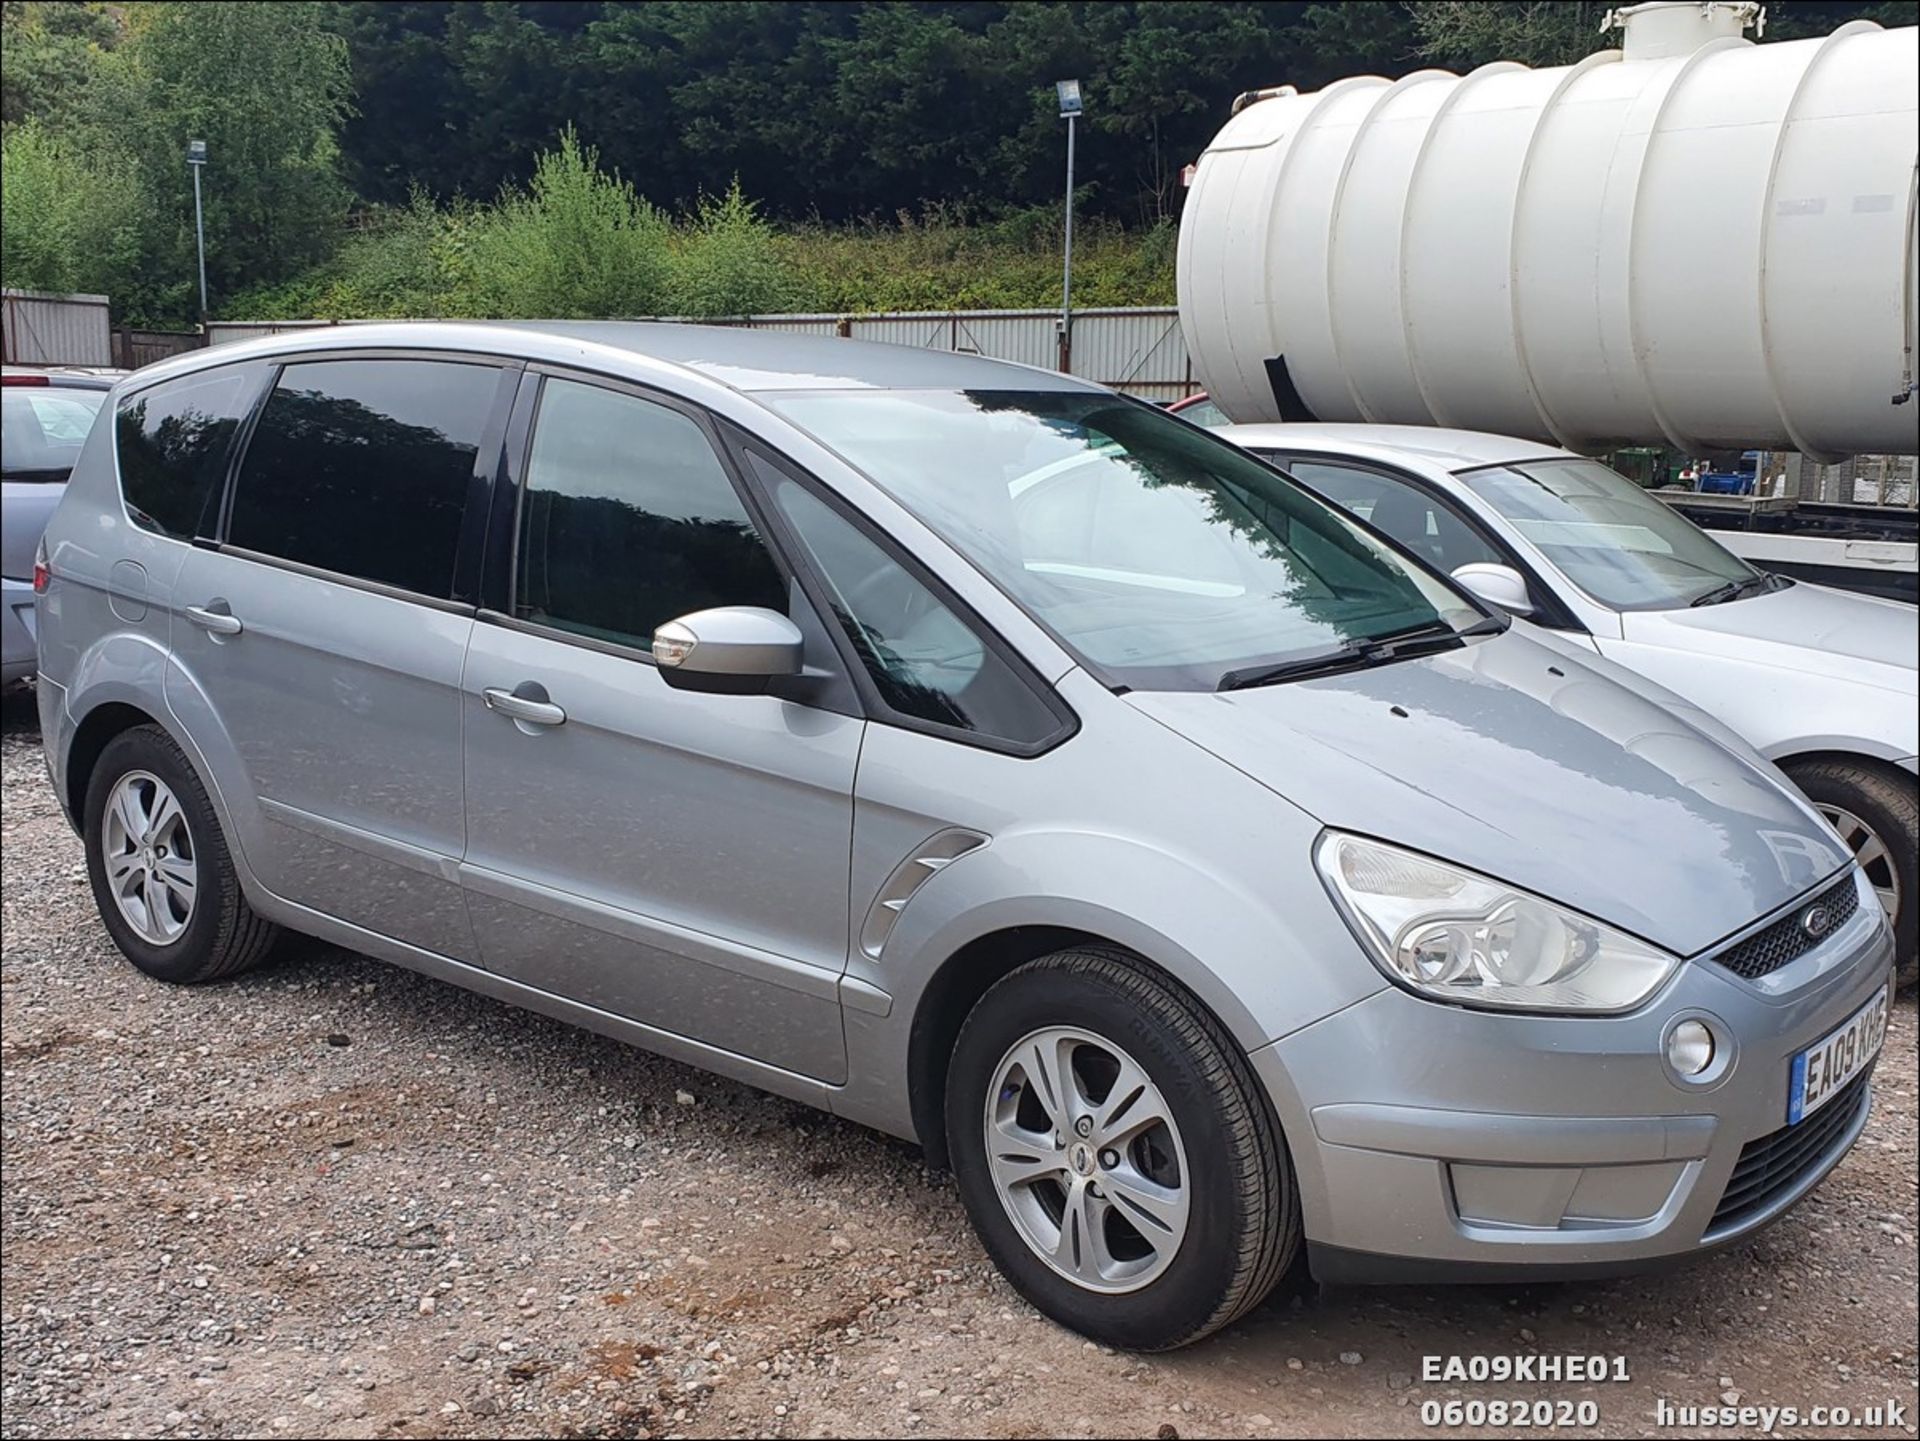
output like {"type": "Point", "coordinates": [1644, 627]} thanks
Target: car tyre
{"type": "Point", "coordinates": [1220, 1221]}
{"type": "Point", "coordinates": [1877, 811]}
{"type": "Point", "coordinates": [151, 831]}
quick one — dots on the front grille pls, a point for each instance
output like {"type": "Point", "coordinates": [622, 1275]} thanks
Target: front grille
{"type": "Point", "coordinates": [1775, 1163]}
{"type": "Point", "coordinates": [1766, 951]}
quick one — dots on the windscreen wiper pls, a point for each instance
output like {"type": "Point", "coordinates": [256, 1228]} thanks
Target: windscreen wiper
{"type": "Point", "coordinates": [1734, 589]}
{"type": "Point", "coordinates": [1423, 639]}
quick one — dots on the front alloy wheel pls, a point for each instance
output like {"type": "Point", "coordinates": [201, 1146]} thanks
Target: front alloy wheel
{"type": "Point", "coordinates": [1868, 849]}
{"type": "Point", "coordinates": [1119, 1160]}
{"type": "Point", "coordinates": [1875, 810]}
{"type": "Point", "coordinates": [1086, 1157]}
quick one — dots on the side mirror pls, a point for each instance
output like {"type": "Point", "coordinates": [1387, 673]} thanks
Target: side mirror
{"type": "Point", "coordinates": [1499, 585]}
{"type": "Point", "coordinates": [729, 648]}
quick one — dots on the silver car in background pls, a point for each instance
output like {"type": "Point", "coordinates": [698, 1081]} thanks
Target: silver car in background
{"type": "Point", "coordinates": [45, 414]}
{"type": "Point", "coordinates": [974, 753]}
{"type": "Point", "coordinates": [1823, 682]}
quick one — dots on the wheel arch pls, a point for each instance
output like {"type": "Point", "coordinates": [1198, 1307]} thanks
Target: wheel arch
{"type": "Point", "coordinates": [107, 709]}
{"type": "Point", "coordinates": [1882, 759]}
{"type": "Point", "coordinates": [91, 737]}
{"type": "Point", "coordinates": [959, 982]}
{"type": "Point", "coordinates": [950, 994]}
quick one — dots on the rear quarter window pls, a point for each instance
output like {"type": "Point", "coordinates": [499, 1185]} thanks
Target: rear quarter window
{"type": "Point", "coordinates": [174, 440]}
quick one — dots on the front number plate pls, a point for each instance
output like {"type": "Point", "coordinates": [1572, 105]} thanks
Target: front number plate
{"type": "Point", "coordinates": [1820, 1071]}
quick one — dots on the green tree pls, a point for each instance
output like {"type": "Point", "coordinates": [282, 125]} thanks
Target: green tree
{"type": "Point", "coordinates": [461, 98]}
{"type": "Point", "coordinates": [869, 108]}
{"type": "Point", "coordinates": [1466, 33]}
{"type": "Point", "coordinates": [47, 51]}
{"type": "Point", "coordinates": [266, 86]}
{"type": "Point", "coordinates": [68, 221]}
{"type": "Point", "coordinates": [1808, 19]}
{"type": "Point", "coordinates": [1164, 70]}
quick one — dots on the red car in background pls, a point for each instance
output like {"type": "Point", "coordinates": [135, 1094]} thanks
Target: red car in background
{"type": "Point", "coordinates": [1200, 410]}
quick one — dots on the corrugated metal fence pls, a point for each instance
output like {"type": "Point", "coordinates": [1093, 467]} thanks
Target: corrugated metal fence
{"type": "Point", "coordinates": [44, 329]}
{"type": "Point", "coordinates": [1136, 350]}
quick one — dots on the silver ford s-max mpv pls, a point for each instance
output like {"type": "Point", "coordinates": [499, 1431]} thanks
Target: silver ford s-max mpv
{"type": "Point", "coordinates": [972, 752]}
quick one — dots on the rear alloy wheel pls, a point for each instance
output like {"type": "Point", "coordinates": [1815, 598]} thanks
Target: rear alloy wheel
{"type": "Point", "coordinates": [162, 876]}
{"type": "Point", "coordinates": [1875, 811]}
{"type": "Point", "coordinates": [1117, 1157]}
{"type": "Point", "coordinates": [148, 854]}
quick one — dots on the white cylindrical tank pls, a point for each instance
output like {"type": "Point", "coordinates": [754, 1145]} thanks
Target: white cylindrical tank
{"type": "Point", "coordinates": [1695, 241]}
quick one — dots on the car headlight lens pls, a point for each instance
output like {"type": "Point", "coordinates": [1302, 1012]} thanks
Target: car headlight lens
{"type": "Point", "coordinates": [1461, 937]}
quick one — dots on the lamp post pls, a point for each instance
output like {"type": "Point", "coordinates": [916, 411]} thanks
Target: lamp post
{"type": "Point", "coordinates": [1069, 92]}
{"type": "Point", "coordinates": [197, 158]}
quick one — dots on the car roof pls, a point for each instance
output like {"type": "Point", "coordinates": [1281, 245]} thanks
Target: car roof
{"type": "Point", "coordinates": [1453, 449]}
{"type": "Point", "coordinates": [745, 360]}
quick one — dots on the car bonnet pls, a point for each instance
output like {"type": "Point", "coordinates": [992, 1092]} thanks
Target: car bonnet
{"type": "Point", "coordinates": [1523, 764]}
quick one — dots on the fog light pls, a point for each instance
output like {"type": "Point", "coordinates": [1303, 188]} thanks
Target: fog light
{"type": "Point", "coordinates": [1689, 1048]}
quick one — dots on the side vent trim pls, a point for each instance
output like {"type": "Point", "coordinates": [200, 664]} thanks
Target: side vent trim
{"type": "Point", "coordinates": [932, 856]}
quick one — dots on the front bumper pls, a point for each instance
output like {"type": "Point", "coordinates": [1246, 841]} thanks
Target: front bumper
{"type": "Point", "coordinates": [1433, 1142]}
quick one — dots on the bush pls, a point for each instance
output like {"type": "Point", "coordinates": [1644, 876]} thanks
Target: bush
{"type": "Point", "coordinates": [944, 260]}
{"type": "Point", "coordinates": [67, 220]}
{"type": "Point", "coordinates": [580, 243]}
{"type": "Point", "coordinates": [729, 263]}
{"type": "Point", "coordinates": [389, 264]}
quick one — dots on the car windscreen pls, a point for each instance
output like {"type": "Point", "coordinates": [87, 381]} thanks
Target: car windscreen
{"type": "Point", "coordinates": [1607, 535]}
{"type": "Point", "coordinates": [1163, 557]}
{"type": "Point", "coordinates": [42, 428]}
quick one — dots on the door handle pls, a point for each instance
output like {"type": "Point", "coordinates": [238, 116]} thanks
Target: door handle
{"type": "Point", "coordinates": [216, 617]}
{"type": "Point", "coordinates": [522, 708]}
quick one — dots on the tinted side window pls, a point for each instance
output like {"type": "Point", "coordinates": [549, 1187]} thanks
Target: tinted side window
{"type": "Point", "coordinates": [363, 467]}
{"type": "Point", "coordinates": [174, 440]}
{"type": "Point", "coordinates": [628, 520]}
{"type": "Point", "coordinates": [925, 661]}
{"type": "Point", "coordinates": [1414, 519]}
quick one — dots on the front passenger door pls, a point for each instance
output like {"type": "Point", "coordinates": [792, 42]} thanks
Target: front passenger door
{"type": "Point", "coordinates": [1415, 520]}
{"type": "Point", "coordinates": [674, 857]}
{"type": "Point", "coordinates": [1420, 522]}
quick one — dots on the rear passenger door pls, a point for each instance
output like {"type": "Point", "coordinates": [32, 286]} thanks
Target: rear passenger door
{"type": "Point", "coordinates": [670, 856]}
{"type": "Point", "coordinates": [321, 635]}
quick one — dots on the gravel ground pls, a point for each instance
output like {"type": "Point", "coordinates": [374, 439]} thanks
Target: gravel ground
{"type": "Point", "coordinates": [336, 1199]}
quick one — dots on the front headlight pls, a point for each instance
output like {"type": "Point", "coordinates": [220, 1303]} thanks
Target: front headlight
{"type": "Point", "coordinates": [1460, 937]}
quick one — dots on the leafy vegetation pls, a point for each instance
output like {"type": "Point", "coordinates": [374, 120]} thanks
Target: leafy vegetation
{"type": "Point", "coordinates": [579, 242]}
{"type": "Point", "coordinates": [557, 251]}
{"type": "Point", "coordinates": [67, 218]}
{"type": "Point", "coordinates": [115, 101]}
{"type": "Point", "coordinates": [701, 157]}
